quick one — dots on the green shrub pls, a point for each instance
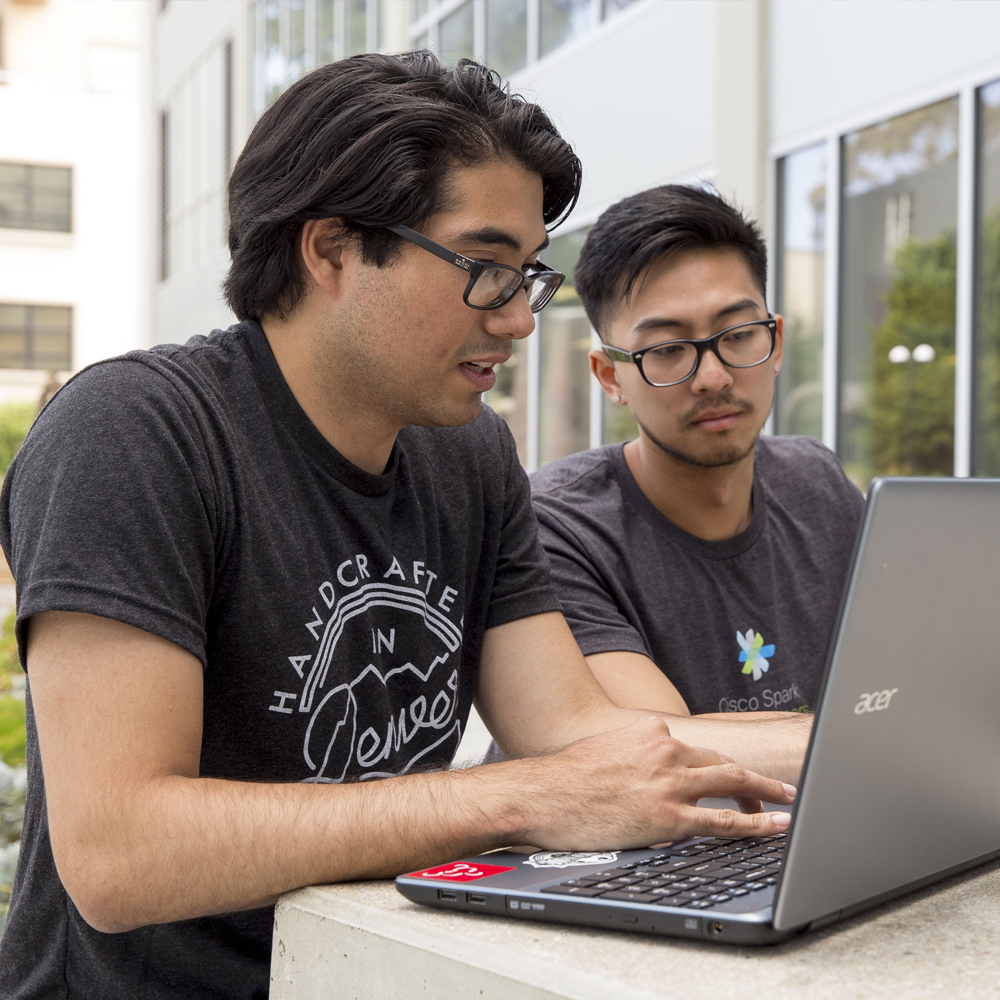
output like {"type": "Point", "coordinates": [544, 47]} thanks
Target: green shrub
{"type": "Point", "coordinates": [15, 422]}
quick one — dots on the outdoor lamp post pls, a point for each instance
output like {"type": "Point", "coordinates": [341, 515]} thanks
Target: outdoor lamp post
{"type": "Point", "coordinates": [899, 355]}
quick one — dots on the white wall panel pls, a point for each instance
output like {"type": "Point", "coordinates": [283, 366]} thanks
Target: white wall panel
{"type": "Point", "coordinates": [635, 98]}
{"type": "Point", "coordinates": [837, 58]}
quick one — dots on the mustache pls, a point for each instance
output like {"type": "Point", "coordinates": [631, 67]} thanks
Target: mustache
{"type": "Point", "coordinates": [484, 352]}
{"type": "Point", "coordinates": [714, 403]}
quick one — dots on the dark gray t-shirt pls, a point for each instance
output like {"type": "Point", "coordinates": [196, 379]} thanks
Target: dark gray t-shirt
{"type": "Point", "coordinates": [737, 625]}
{"type": "Point", "coordinates": [338, 615]}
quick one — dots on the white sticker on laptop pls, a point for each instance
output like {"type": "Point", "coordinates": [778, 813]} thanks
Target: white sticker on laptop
{"type": "Point", "coordinates": [567, 859]}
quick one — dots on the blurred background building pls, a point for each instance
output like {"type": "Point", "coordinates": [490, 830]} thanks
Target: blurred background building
{"type": "Point", "coordinates": [863, 134]}
{"type": "Point", "coordinates": [71, 225]}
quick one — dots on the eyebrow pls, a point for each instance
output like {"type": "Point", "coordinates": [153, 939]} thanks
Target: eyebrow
{"type": "Point", "coordinates": [494, 236]}
{"type": "Point", "coordinates": [663, 322]}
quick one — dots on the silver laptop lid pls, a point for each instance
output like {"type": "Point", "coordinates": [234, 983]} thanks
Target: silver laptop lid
{"type": "Point", "coordinates": [902, 778]}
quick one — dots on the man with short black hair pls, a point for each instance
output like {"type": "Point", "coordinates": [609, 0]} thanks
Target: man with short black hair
{"type": "Point", "coordinates": [701, 565]}
{"type": "Point", "coordinates": [259, 572]}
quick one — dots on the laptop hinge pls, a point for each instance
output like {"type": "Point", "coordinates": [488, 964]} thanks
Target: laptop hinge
{"type": "Point", "coordinates": [830, 918]}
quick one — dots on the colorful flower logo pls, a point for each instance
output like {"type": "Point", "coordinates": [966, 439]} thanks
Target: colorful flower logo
{"type": "Point", "coordinates": [754, 654]}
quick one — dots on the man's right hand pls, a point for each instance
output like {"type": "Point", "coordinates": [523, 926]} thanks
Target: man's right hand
{"type": "Point", "coordinates": [638, 786]}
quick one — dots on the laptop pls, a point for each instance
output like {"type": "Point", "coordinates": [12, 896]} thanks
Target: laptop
{"type": "Point", "coordinates": [901, 782]}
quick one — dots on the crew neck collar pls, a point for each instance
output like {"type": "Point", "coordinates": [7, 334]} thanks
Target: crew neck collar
{"type": "Point", "coordinates": [724, 549]}
{"type": "Point", "coordinates": [281, 404]}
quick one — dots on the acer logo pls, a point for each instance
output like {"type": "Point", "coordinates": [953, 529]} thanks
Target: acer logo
{"type": "Point", "coordinates": [877, 701]}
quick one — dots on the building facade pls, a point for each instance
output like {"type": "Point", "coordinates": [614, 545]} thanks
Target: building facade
{"type": "Point", "coordinates": [864, 135]}
{"type": "Point", "coordinates": [72, 283]}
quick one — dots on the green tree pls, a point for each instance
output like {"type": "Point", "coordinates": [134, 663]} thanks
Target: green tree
{"type": "Point", "coordinates": [913, 403]}
{"type": "Point", "coordinates": [988, 349]}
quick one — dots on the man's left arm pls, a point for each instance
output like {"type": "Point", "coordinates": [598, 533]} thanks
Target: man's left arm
{"type": "Point", "coordinates": [771, 743]}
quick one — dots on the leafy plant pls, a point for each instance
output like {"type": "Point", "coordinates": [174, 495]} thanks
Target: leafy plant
{"type": "Point", "coordinates": [913, 403]}
{"type": "Point", "coordinates": [15, 422]}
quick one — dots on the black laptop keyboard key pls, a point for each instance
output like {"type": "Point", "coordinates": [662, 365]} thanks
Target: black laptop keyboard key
{"type": "Point", "coordinates": [754, 886]}
{"type": "Point", "coordinates": [739, 892]}
{"type": "Point", "coordinates": [586, 882]}
{"type": "Point", "coordinates": [573, 890]}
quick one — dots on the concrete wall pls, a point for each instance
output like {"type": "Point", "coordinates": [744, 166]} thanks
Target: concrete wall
{"type": "Point", "coordinates": [635, 97]}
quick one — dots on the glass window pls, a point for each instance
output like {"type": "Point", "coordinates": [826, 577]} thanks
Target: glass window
{"type": "Point", "coordinates": [564, 345]}
{"type": "Point", "coordinates": [611, 7]}
{"type": "Point", "coordinates": [357, 27]}
{"type": "Point", "coordinates": [800, 271]}
{"type": "Point", "coordinates": [36, 337]}
{"type": "Point", "coordinates": [897, 296]}
{"type": "Point", "coordinates": [507, 35]}
{"type": "Point", "coordinates": [509, 397]}
{"type": "Point", "coordinates": [33, 197]}
{"type": "Point", "coordinates": [297, 38]}
{"type": "Point", "coordinates": [987, 384]}
{"type": "Point", "coordinates": [274, 60]}
{"type": "Point", "coordinates": [325, 29]}
{"type": "Point", "coordinates": [456, 36]}
{"type": "Point", "coordinates": [419, 8]}
{"type": "Point", "coordinates": [562, 21]}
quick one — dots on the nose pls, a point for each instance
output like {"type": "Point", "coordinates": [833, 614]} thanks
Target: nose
{"type": "Point", "coordinates": [514, 319]}
{"type": "Point", "coordinates": [712, 375]}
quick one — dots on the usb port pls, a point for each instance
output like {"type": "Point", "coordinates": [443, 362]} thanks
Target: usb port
{"type": "Point", "coordinates": [450, 895]}
{"type": "Point", "coordinates": [476, 897]}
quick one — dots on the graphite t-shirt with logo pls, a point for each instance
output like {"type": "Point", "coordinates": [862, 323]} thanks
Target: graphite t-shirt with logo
{"type": "Point", "coordinates": [338, 615]}
{"type": "Point", "coordinates": [738, 625]}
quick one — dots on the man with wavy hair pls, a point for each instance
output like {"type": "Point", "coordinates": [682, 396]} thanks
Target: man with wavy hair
{"type": "Point", "coordinates": [262, 575]}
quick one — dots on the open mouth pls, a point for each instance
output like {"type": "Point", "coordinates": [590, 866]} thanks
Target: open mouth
{"type": "Point", "coordinates": [480, 374]}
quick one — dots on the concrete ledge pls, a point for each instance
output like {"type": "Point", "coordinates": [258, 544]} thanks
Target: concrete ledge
{"type": "Point", "coordinates": [364, 941]}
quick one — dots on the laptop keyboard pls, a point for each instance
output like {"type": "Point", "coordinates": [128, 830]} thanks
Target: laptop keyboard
{"type": "Point", "coordinates": [695, 877]}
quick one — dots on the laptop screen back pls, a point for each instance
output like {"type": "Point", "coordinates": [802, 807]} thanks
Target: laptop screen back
{"type": "Point", "coordinates": [903, 775]}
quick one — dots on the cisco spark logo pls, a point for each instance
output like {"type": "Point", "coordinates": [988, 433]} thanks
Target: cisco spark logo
{"type": "Point", "coordinates": [876, 701]}
{"type": "Point", "coordinates": [754, 655]}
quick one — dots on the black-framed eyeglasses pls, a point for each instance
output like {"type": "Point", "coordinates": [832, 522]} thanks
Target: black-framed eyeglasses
{"type": "Point", "coordinates": [671, 362]}
{"type": "Point", "coordinates": [492, 285]}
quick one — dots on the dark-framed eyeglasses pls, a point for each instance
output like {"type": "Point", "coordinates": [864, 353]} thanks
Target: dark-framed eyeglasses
{"type": "Point", "coordinates": [492, 285]}
{"type": "Point", "coordinates": [671, 362]}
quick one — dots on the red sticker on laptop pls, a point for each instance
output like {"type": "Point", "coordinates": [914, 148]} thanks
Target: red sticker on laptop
{"type": "Point", "coordinates": [461, 871]}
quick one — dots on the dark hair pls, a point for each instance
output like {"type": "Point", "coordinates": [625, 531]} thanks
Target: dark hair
{"type": "Point", "coordinates": [638, 231]}
{"type": "Point", "coordinates": [369, 141]}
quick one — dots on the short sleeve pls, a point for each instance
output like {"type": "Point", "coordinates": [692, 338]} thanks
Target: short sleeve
{"type": "Point", "coordinates": [582, 578]}
{"type": "Point", "coordinates": [110, 509]}
{"type": "Point", "coordinates": [521, 585]}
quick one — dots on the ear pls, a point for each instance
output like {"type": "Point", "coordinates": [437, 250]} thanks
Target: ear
{"type": "Point", "coordinates": [779, 342]}
{"type": "Point", "coordinates": [604, 371]}
{"type": "Point", "coordinates": [322, 253]}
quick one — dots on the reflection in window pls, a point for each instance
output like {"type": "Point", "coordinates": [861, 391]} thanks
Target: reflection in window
{"type": "Point", "coordinates": [987, 387]}
{"type": "Point", "coordinates": [274, 71]}
{"type": "Point", "coordinates": [33, 197]}
{"type": "Point", "coordinates": [897, 296]}
{"type": "Point", "coordinates": [509, 397]}
{"type": "Point", "coordinates": [326, 47]}
{"type": "Point", "coordinates": [357, 27]}
{"type": "Point", "coordinates": [457, 35]}
{"type": "Point", "coordinates": [801, 261]}
{"type": "Point", "coordinates": [296, 38]}
{"type": "Point", "coordinates": [507, 35]}
{"type": "Point", "coordinates": [564, 345]}
{"type": "Point", "coordinates": [561, 21]}
{"type": "Point", "coordinates": [611, 7]}
{"type": "Point", "coordinates": [36, 337]}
